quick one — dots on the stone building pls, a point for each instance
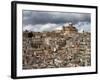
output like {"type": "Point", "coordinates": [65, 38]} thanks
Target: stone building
{"type": "Point", "coordinates": [69, 29]}
{"type": "Point", "coordinates": [66, 48]}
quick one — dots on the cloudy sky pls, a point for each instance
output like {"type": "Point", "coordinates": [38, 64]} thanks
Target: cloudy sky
{"type": "Point", "coordinates": [39, 21]}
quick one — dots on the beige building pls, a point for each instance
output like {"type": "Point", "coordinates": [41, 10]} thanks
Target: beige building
{"type": "Point", "coordinates": [69, 29]}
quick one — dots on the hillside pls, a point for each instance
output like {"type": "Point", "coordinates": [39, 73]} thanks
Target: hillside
{"type": "Point", "coordinates": [54, 50]}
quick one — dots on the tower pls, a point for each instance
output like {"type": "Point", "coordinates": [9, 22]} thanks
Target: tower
{"type": "Point", "coordinates": [69, 29]}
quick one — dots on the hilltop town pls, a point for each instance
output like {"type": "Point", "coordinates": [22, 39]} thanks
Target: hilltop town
{"type": "Point", "coordinates": [56, 49]}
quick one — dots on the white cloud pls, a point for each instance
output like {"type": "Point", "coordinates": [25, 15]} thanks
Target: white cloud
{"type": "Point", "coordinates": [27, 27]}
{"type": "Point", "coordinates": [48, 27]}
{"type": "Point", "coordinates": [86, 26]}
{"type": "Point", "coordinates": [52, 26]}
{"type": "Point", "coordinates": [42, 27]}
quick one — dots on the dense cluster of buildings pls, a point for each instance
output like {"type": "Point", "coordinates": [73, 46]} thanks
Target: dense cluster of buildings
{"type": "Point", "coordinates": [59, 48]}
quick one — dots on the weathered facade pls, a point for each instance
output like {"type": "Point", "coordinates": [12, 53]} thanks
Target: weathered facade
{"type": "Point", "coordinates": [69, 29]}
{"type": "Point", "coordinates": [66, 48]}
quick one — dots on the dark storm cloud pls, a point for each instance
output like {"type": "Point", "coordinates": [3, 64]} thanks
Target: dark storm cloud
{"type": "Point", "coordinates": [38, 17]}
